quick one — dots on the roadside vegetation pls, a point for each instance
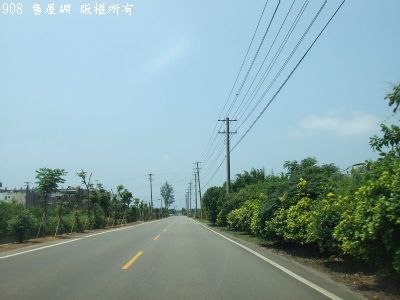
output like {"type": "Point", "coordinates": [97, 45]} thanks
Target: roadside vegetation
{"type": "Point", "coordinates": [75, 209]}
{"type": "Point", "coordinates": [353, 213]}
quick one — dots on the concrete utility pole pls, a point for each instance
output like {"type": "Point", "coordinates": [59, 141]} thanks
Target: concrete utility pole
{"type": "Point", "coordinates": [160, 208]}
{"type": "Point", "coordinates": [228, 152]}
{"type": "Point", "coordinates": [151, 194]}
{"type": "Point", "coordinates": [26, 191]}
{"type": "Point", "coordinates": [198, 181]}
{"type": "Point", "coordinates": [187, 202]}
{"type": "Point", "coordinates": [27, 185]}
{"type": "Point", "coordinates": [190, 197]}
{"type": "Point", "coordinates": [195, 194]}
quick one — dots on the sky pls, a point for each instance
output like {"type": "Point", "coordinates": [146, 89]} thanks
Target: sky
{"type": "Point", "coordinates": [121, 96]}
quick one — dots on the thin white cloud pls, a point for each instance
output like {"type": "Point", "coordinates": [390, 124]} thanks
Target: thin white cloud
{"type": "Point", "coordinates": [167, 56]}
{"type": "Point", "coordinates": [358, 124]}
{"type": "Point", "coordinates": [166, 157]}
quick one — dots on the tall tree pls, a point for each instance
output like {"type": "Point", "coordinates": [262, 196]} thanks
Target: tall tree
{"type": "Point", "coordinates": [167, 193]}
{"type": "Point", "coordinates": [212, 201]}
{"type": "Point", "coordinates": [48, 181]}
{"type": "Point", "coordinates": [86, 181]}
{"type": "Point", "coordinates": [389, 142]}
{"type": "Point", "coordinates": [103, 198]}
{"type": "Point", "coordinates": [125, 197]}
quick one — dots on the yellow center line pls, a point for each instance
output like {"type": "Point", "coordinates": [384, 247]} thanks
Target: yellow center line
{"type": "Point", "coordinates": [156, 238]}
{"type": "Point", "coordinates": [132, 261]}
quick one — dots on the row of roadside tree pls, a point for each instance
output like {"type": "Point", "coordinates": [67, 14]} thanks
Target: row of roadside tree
{"type": "Point", "coordinates": [76, 209]}
{"type": "Point", "coordinates": [353, 213]}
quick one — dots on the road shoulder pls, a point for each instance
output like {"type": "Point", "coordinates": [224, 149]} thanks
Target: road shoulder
{"type": "Point", "coordinates": [12, 249]}
{"type": "Point", "coordinates": [317, 277]}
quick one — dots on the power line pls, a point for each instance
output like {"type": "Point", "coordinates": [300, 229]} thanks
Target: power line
{"type": "Point", "coordinates": [274, 60]}
{"type": "Point", "coordinates": [291, 29]}
{"type": "Point", "coordinates": [299, 15]}
{"type": "Point", "coordinates": [245, 57]}
{"type": "Point", "coordinates": [214, 132]}
{"type": "Point", "coordinates": [211, 154]}
{"type": "Point", "coordinates": [251, 64]}
{"type": "Point", "coordinates": [213, 175]}
{"type": "Point", "coordinates": [254, 58]}
{"type": "Point", "coordinates": [288, 77]}
{"type": "Point", "coordinates": [284, 64]}
{"type": "Point", "coordinates": [265, 58]}
{"type": "Point", "coordinates": [262, 41]}
{"type": "Point", "coordinates": [217, 157]}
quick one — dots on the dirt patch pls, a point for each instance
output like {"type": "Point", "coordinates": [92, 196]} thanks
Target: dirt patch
{"type": "Point", "coordinates": [49, 239]}
{"type": "Point", "coordinates": [31, 242]}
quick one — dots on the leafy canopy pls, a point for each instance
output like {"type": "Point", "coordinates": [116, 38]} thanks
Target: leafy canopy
{"type": "Point", "coordinates": [49, 179]}
{"type": "Point", "coordinates": [167, 193]}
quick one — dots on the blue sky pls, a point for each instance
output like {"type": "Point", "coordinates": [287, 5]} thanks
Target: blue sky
{"type": "Point", "coordinates": [122, 96]}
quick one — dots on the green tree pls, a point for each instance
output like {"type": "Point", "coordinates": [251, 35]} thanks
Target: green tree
{"type": "Point", "coordinates": [248, 178]}
{"type": "Point", "coordinates": [389, 142]}
{"type": "Point", "coordinates": [86, 181]}
{"type": "Point", "coordinates": [48, 181]}
{"type": "Point", "coordinates": [125, 198]}
{"type": "Point", "coordinates": [167, 193]}
{"type": "Point", "coordinates": [103, 198]}
{"type": "Point", "coordinates": [211, 202]}
{"type": "Point", "coordinates": [274, 188]}
{"type": "Point", "coordinates": [230, 202]}
{"type": "Point", "coordinates": [63, 203]}
{"type": "Point", "coordinates": [325, 216]}
{"type": "Point", "coordinates": [21, 224]}
{"type": "Point", "coordinates": [7, 211]}
{"type": "Point", "coordinates": [116, 208]}
{"type": "Point", "coordinates": [369, 227]}
{"type": "Point", "coordinates": [320, 179]}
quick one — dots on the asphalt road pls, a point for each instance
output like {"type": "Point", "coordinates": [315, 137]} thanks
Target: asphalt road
{"type": "Point", "coordinates": [175, 258]}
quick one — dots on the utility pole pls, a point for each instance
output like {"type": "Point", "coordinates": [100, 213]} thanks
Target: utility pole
{"type": "Point", "coordinates": [228, 152]}
{"type": "Point", "coordinates": [27, 185]}
{"type": "Point", "coordinates": [190, 197]}
{"type": "Point", "coordinates": [26, 191]}
{"type": "Point", "coordinates": [160, 208]}
{"type": "Point", "coordinates": [151, 194]}
{"type": "Point", "coordinates": [198, 181]}
{"type": "Point", "coordinates": [187, 202]}
{"type": "Point", "coordinates": [195, 194]}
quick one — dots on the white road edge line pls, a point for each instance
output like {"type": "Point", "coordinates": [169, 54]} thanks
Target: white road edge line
{"type": "Point", "coordinates": [278, 266]}
{"type": "Point", "coordinates": [74, 240]}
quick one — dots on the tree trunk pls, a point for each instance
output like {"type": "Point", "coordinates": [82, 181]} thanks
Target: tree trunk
{"type": "Point", "coordinates": [45, 216]}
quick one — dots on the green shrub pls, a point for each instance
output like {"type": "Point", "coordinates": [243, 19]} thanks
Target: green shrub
{"type": "Point", "coordinates": [325, 216]}
{"type": "Point", "coordinates": [211, 202]}
{"type": "Point", "coordinates": [21, 224]}
{"type": "Point", "coordinates": [233, 219]}
{"type": "Point", "coordinates": [275, 227]}
{"type": "Point", "coordinates": [297, 221]}
{"type": "Point", "coordinates": [231, 202]}
{"type": "Point", "coordinates": [369, 228]}
{"type": "Point", "coordinates": [291, 220]}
